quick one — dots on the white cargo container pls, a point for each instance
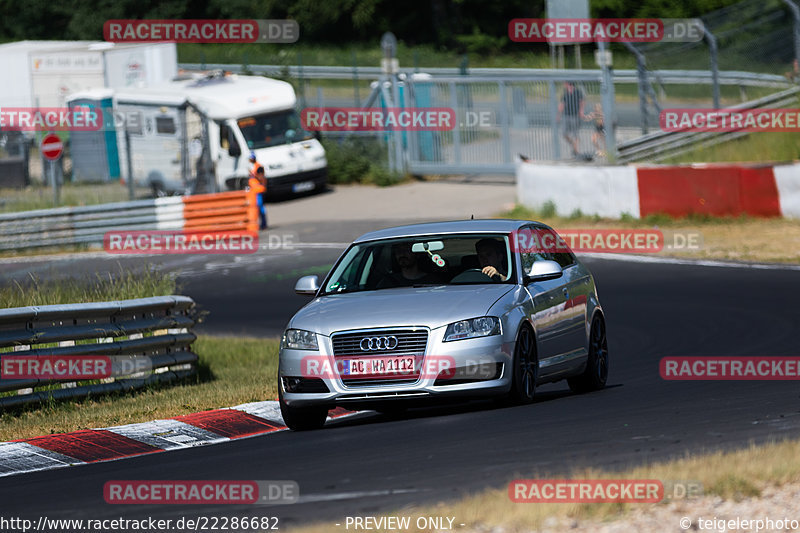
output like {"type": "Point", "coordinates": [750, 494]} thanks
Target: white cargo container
{"type": "Point", "coordinates": [45, 72]}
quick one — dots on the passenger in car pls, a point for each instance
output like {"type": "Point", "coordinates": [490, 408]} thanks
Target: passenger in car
{"type": "Point", "coordinates": [408, 271]}
{"type": "Point", "coordinates": [492, 258]}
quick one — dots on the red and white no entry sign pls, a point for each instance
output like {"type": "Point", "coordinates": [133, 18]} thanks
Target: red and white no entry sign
{"type": "Point", "coordinates": [51, 147]}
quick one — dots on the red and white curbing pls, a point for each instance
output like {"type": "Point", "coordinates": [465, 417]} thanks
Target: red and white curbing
{"type": "Point", "coordinates": [639, 191]}
{"type": "Point", "coordinates": [119, 442]}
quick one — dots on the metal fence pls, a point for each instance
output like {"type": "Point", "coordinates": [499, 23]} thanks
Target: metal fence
{"type": "Point", "coordinates": [522, 106]}
{"type": "Point", "coordinates": [152, 335]}
{"type": "Point", "coordinates": [497, 119]}
{"type": "Point", "coordinates": [751, 35]}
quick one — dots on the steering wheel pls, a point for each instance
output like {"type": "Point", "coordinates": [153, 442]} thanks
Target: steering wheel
{"type": "Point", "coordinates": [470, 275]}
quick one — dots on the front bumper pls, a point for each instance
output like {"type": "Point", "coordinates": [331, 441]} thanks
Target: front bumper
{"type": "Point", "coordinates": [482, 368]}
{"type": "Point", "coordinates": [285, 185]}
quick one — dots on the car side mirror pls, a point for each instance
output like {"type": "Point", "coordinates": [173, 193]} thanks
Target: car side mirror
{"type": "Point", "coordinates": [543, 271]}
{"type": "Point", "coordinates": [308, 285]}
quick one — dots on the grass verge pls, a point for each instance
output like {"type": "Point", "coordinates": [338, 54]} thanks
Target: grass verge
{"type": "Point", "coordinates": [734, 475]}
{"type": "Point", "coordinates": [231, 371]}
{"type": "Point", "coordinates": [771, 240]}
{"type": "Point", "coordinates": [41, 197]}
{"type": "Point", "coordinates": [760, 146]}
{"type": "Point", "coordinates": [121, 285]}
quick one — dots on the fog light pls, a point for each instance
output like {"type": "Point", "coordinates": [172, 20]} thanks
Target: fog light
{"type": "Point", "coordinates": [290, 384]}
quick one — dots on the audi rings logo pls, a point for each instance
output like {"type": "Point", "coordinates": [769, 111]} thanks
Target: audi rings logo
{"type": "Point", "coordinates": [372, 344]}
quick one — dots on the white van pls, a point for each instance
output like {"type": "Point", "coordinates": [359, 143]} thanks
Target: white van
{"type": "Point", "coordinates": [208, 126]}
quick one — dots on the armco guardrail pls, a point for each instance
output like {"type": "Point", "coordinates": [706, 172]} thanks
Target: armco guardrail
{"type": "Point", "coordinates": [64, 226]}
{"type": "Point", "coordinates": [704, 77]}
{"type": "Point", "coordinates": [658, 146]}
{"type": "Point", "coordinates": [149, 333]}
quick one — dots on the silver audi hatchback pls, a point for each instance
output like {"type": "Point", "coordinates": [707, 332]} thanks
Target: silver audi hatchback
{"type": "Point", "coordinates": [417, 313]}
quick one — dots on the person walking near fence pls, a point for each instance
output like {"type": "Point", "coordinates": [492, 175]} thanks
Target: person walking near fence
{"type": "Point", "coordinates": [571, 110]}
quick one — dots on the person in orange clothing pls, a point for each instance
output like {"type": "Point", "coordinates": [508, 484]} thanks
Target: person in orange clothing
{"type": "Point", "coordinates": [258, 184]}
{"type": "Point", "coordinates": [255, 163]}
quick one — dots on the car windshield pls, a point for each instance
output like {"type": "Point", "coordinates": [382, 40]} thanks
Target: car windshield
{"type": "Point", "coordinates": [423, 261]}
{"type": "Point", "coordinates": [263, 131]}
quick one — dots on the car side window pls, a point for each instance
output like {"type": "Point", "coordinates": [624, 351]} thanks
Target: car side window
{"type": "Point", "coordinates": [528, 242]}
{"type": "Point", "coordinates": [537, 244]}
{"type": "Point", "coordinates": [564, 259]}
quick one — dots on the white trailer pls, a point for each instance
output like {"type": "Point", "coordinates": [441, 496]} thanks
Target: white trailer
{"type": "Point", "coordinates": [208, 126]}
{"type": "Point", "coordinates": [44, 73]}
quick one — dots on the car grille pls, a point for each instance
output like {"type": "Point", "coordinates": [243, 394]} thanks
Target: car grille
{"type": "Point", "coordinates": [411, 341]}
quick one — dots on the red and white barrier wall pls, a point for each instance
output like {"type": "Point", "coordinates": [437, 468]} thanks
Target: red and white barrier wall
{"type": "Point", "coordinates": [639, 191]}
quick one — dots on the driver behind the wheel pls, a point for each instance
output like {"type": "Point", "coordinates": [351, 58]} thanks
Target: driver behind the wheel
{"type": "Point", "coordinates": [408, 271]}
{"type": "Point", "coordinates": [492, 258]}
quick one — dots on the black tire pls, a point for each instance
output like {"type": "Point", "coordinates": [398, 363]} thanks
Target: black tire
{"type": "Point", "coordinates": [302, 418]}
{"type": "Point", "coordinates": [596, 373]}
{"type": "Point", "coordinates": [525, 369]}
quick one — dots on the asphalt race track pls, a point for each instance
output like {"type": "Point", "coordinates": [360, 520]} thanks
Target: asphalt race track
{"type": "Point", "coordinates": [368, 463]}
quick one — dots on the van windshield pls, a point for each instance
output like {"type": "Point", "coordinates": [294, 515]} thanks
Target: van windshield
{"type": "Point", "coordinates": [269, 129]}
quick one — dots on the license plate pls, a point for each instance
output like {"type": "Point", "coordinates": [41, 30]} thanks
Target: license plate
{"type": "Point", "coordinates": [378, 366]}
{"type": "Point", "coordinates": [303, 186]}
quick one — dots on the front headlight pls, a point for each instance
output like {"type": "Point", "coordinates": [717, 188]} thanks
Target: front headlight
{"type": "Point", "coordinates": [474, 327]}
{"type": "Point", "coordinates": [299, 339]}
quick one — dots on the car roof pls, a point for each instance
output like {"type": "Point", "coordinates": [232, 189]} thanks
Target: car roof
{"type": "Point", "coordinates": [458, 226]}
